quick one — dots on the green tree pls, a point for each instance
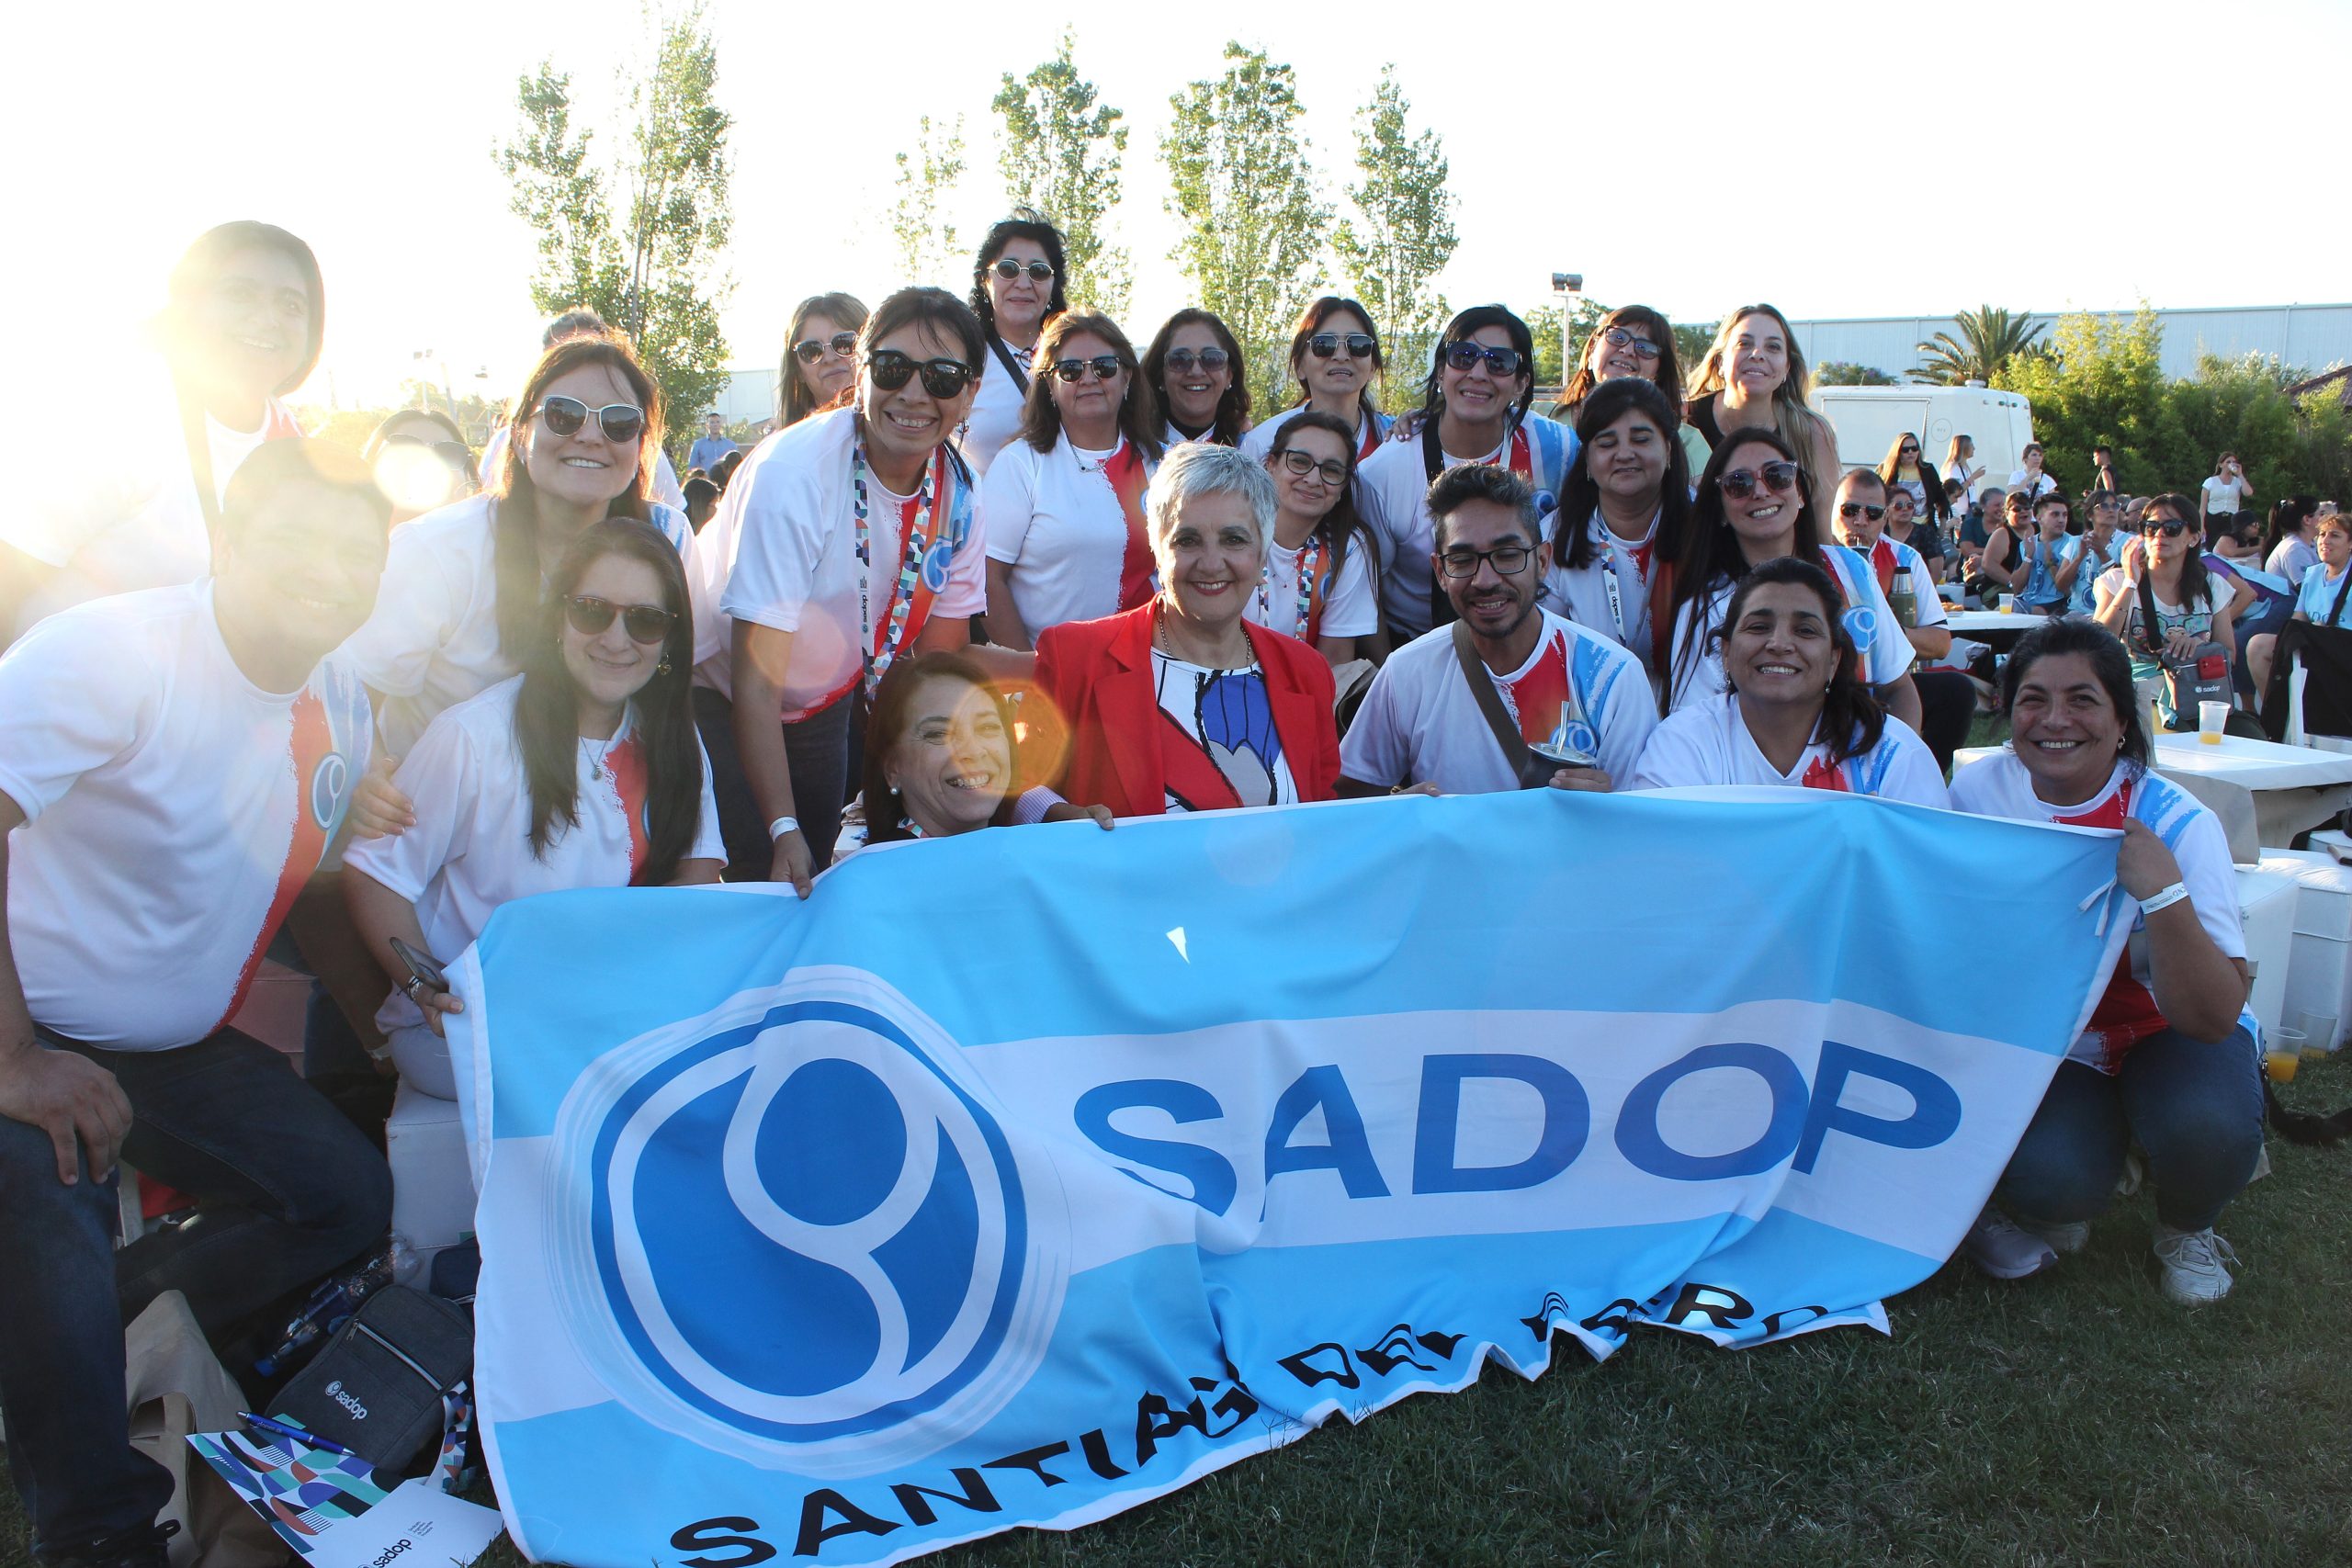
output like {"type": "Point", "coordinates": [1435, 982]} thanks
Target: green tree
{"type": "Point", "coordinates": [2242, 406]}
{"type": "Point", "coordinates": [928, 248]}
{"type": "Point", "coordinates": [1402, 235]}
{"type": "Point", "coordinates": [1838, 373]}
{"type": "Point", "coordinates": [1244, 192]}
{"type": "Point", "coordinates": [653, 270]}
{"type": "Point", "coordinates": [1988, 339]}
{"type": "Point", "coordinates": [2100, 385]}
{"type": "Point", "coordinates": [1691, 341]}
{"type": "Point", "coordinates": [1061, 156]}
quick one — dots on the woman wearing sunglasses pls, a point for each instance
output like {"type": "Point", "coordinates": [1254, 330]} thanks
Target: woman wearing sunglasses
{"type": "Point", "coordinates": [1636, 340]}
{"type": "Point", "coordinates": [1017, 286]}
{"type": "Point", "coordinates": [847, 540]}
{"type": "Point", "coordinates": [1754, 377]}
{"type": "Point", "coordinates": [1624, 508]}
{"type": "Point", "coordinates": [1064, 505]}
{"type": "Point", "coordinates": [819, 356]}
{"type": "Point", "coordinates": [582, 772]}
{"type": "Point", "coordinates": [1315, 584]}
{"type": "Point", "coordinates": [1755, 505]}
{"type": "Point", "coordinates": [463, 586]}
{"type": "Point", "coordinates": [1474, 409]}
{"type": "Point", "coordinates": [1195, 369]}
{"type": "Point", "coordinates": [1905, 467]}
{"type": "Point", "coordinates": [420, 460]}
{"type": "Point", "coordinates": [241, 329]}
{"type": "Point", "coordinates": [1335, 359]}
{"type": "Point", "coordinates": [2165, 569]}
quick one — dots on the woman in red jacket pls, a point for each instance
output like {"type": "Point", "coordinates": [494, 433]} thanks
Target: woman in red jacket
{"type": "Point", "coordinates": [1180, 704]}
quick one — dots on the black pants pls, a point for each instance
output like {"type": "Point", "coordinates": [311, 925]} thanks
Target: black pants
{"type": "Point", "coordinates": [822, 755]}
{"type": "Point", "coordinates": [1947, 703]}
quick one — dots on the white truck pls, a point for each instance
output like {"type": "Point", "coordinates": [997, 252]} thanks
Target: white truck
{"type": "Point", "coordinates": [1868, 418]}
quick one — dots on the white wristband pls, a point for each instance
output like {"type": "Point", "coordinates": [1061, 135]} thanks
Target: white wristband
{"type": "Point", "coordinates": [2164, 899]}
{"type": "Point", "coordinates": [781, 826]}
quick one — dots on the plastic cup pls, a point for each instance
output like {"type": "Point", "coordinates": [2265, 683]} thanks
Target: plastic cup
{"type": "Point", "coordinates": [2282, 1053]}
{"type": "Point", "coordinates": [2212, 717]}
{"type": "Point", "coordinates": [2008, 603]}
{"type": "Point", "coordinates": [2319, 1034]}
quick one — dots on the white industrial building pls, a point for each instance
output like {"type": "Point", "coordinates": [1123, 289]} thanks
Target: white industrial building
{"type": "Point", "coordinates": [2311, 338]}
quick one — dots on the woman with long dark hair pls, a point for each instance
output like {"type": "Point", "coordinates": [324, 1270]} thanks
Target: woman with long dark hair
{"type": "Point", "coordinates": [819, 356]}
{"type": "Point", "coordinates": [2161, 602]}
{"type": "Point", "coordinates": [2290, 538]}
{"type": "Point", "coordinates": [1797, 713]}
{"type": "Point", "coordinates": [1623, 508]}
{"type": "Point", "coordinates": [245, 316]}
{"type": "Point", "coordinates": [1754, 377]}
{"type": "Point", "coordinates": [1315, 584]}
{"type": "Point", "coordinates": [1335, 359]}
{"type": "Point", "coordinates": [1195, 370]}
{"type": "Point", "coordinates": [1755, 505]}
{"type": "Point", "coordinates": [1632, 341]}
{"type": "Point", "coordinates": [1064, 505]}
{"type": "Point", "coordinates": [582, 772]}
{"type": "Point", "coordinates": [1019, 282]}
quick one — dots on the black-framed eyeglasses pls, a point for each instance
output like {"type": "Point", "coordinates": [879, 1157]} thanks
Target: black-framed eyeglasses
{"type": "Point", "coordinates": [890, 370]}
{"type": "Point", "coordinates": [1779, 478]}
{"type": "Point", "coordinates": [1104, 366]}
{"type": "Point", "coordinates": [645, 623]}
{"type": "Point", "coordinates": [1182, 360]}
{"type": "Point", "coordinates": [1324, 345]}
{"type": "Point", "coordinates": [621, 422]}
{"type": "Point", "coordinates": [809, 350]}
{"type": "Point", "coordinates": [1463, 354]}
{"type": "Point", "coordinates": [1618, 337]}
{"type": "Point", "coordinates": [1508, 560]}
{"type": "Point", "coordinates": [1334, 472]}
{"type": "Point", "coordinates": [1006, 267]}
{"type": "Point", "coordinates": [1849, 510]}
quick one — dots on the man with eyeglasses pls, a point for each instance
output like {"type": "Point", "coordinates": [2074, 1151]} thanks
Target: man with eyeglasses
{"type": "Point", "coordinates": [1947, 699]}
{"type": "Point", "coordinates": [1577, 705]}
{"type": "Point", "coordinates": [711, 446]}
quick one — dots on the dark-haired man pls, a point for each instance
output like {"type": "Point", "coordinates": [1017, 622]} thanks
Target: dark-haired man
{"type": "Point", "coordinates": [1567, 691]}
{"type": "Point", "coordinates": [173, 766]}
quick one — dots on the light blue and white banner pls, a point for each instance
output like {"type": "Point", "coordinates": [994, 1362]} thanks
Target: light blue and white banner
{"type": "Point", "coordinates": [1019, 1177]}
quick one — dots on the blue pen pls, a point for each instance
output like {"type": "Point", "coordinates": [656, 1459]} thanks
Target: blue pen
{"type": "Point", "coordinates": [293, 1433]}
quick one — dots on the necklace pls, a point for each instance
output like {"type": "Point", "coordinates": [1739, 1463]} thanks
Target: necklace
{"type": "Point", "coordinates": [879, 654]}
{"type": "Point", "coordinates": [596, 763]}
{"type": "Point", "coordinates": [1162, 645]}
{"type": "Point", "coordinates": [1310, 562]}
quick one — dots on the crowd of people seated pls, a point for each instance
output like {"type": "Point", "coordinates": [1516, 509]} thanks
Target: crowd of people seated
{"type": "Point", "coordinates": [990, 569]}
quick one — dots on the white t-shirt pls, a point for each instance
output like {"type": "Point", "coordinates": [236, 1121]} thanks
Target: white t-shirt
{"type": "Point", "coordinates": [1999, 785]}
{"type": "Point", "coordinates": [1420, 723]}
{"type": "Point", "coordinates": [667, 490]}
{"type": "Point", "coordinates": [130, 518]}
{"type": "Point", "coordinates": [1869, 619]}
{"type": "Point", "coordinates": [1611, 593]}
{"type": "Point", "coordinates": [1348, 609]}
{"type": "Point", "coordinates": [2224, 497]}
{"type": "Point", "coordinates": [1054, 518]}
{"type": "Point", "coordinates": [1259, 440]}
{"type": "Point", "coordinates": [173, 810]}
{"type": "Point", "coordinates": [433, 639]}
{"type": "Point", "coordinates": [792, 541]}
{"type": "Point", "coordinates": [1709, 743]}
{"type": "Point", "coordinates": [2041, 486]}
{"type": "Point", "coordinates": [1224, 713]}
{"type": "Point", "coordinates": [1392, 497]}
{"type": "Point", "coordinates": [995, 418]}
{"type": "Point", "coordinates": [470, 849]}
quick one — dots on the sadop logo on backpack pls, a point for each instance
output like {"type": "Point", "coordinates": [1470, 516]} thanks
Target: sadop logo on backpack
{"type": "Point", "coordinates": [803, 1235]}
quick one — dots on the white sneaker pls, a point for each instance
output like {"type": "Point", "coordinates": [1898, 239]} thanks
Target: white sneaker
{"type": "Point", "coordinates": [2191, 1261]}
{"type": "Point", "coordinates": [1998, 1246]}
{"type": "Point", "coordinates": [2064, 1240]}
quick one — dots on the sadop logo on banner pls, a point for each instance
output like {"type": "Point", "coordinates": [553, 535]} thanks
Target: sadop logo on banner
{"type": "Point", "coordinates": [1020, 1178]}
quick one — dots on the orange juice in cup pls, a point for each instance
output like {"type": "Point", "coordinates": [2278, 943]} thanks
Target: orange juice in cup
{"type": "Point", "coordinates": [2282, 1053]}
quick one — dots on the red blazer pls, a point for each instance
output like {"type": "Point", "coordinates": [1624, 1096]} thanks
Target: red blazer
{"type": "Point", "coordinates": [1098, 676]}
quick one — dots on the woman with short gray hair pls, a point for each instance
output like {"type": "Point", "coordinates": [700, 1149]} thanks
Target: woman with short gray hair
{"type": "Point", "coordinates": [1181, 704]}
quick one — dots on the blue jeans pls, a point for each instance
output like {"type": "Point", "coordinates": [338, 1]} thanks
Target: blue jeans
{"type": "Point", "coordinates": [287, 1189]}
{"type": "Point", "coordinates": [2196, 1109]}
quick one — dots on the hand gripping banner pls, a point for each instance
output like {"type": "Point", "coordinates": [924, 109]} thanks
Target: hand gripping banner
{"type": "Point", "coordinates": [1019, 1177]}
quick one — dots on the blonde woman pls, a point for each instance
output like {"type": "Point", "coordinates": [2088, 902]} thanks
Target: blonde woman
{"type": "Point", "coordinates": [1959, 463]}
{"type": "Point", "coordinates": [1755, 377]}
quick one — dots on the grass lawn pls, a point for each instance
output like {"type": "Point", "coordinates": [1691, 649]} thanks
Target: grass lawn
{"type": "Point", "coordinates": [2075, 1418]}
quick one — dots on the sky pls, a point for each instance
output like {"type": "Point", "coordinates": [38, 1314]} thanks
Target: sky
{"type": "Point", "coordinates": [1846, 160]}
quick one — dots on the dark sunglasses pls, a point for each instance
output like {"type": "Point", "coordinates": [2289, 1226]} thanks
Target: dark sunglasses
{"type": "Point", "coordinates": [1462, 355]}
{"type": "Point", "coordinates": [1038, 271]}
{"type": "Point", "coordinates": [1334, 472]}
{"type": "Point", "coordinates": [2170, 527]}
{"type": "Point", "coordinates": [1105, 365]}
{"type": "Point", "coordinates": [645, 623]}
{"type": "Point", "coordinates": [1323, 345]}
{"type": "Point", "coordinates": [809, 350]}
{"type": "Point", "coordinates": [1618, 337]}
{"type": "Point", "coordinates": [1508, 560]}
{"type": "Point", "coordinates": [1849, 510]}
{"type": "Point", "coordinates": [1906, 450]}
{"type": "Point", "coordinates": [1779, 477]}
{"type": "Point", "coordinates": [1179, 360]}
{"type": "Point", "coordinates": [622, 423]}
{"type": "Point", "coordinates": [890, 370]}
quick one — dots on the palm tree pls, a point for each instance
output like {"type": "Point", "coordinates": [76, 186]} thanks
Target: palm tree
{"type": "Point", "coordinates": [1988, 339]}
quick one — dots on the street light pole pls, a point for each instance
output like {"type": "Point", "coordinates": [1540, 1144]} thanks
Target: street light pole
{"type": "Point", "coordinates": [1567, 284]}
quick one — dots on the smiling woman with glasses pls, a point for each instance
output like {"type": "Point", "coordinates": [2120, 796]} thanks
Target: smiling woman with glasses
{"type": "Point", "coordinates": [2163, 603]}
{"type": "Point", "coordinates": [1064, 505]}
{"type": "Point", "coordinates": [582, 772]}
{"type": "Point", "coordinates": [1335, 359]}
{"type": "Point", "coordinates": [1632, 341]}
{"type": "Point", "coordinates": [1019, 283]}
{"type": "Point", "coordinates": [1195, 368]}
{"type": "Point", "coordinates": [1315, 584]}
{"type": "Point", "coordinates": [819, 356]}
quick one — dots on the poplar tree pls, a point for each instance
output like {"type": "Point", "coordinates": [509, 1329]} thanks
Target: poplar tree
{"type": "Point", "coordinates": [1402, 235]}
{"type": "Point", "coordinates": [929, 249]}
{"type": "Point", "coordinates": [1061, 156]}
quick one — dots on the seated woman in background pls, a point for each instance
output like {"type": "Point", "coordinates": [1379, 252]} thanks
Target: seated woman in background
{"type": "Point", "coordinates": [1797, 713]}
{"type": "Point", "coordinates": [1335, 359]}
{"type": "Point", "coordinates": [1623, 510]}
{"type": "Point", "coordinates": [2291, 538]}
{"type": "Point", "coordinates": [2167, 1060]}
{"type": "Point", "coordinates": [1180, 704]}
{"type": "Point", "coordinates": [421, 461]}
{"type": "Point", "coordinates": [582, 772]}
{"type": "Point", "coordinates": [2321, 599]}
{"type": "Point", "coordinates": [2164, 572]}
{"type": "Point", "coordinates": [1316, 582]}
{"type": "Point", "coordinates": [1196, 371]}
{"type": "Point", "coordinates": [819, 358]}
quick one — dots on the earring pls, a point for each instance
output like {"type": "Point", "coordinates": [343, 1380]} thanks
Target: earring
{"type": "Point", "coordinates": [663, 667]}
